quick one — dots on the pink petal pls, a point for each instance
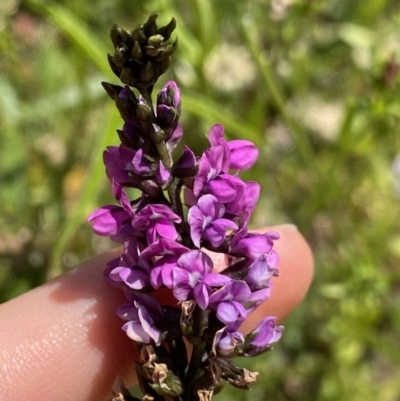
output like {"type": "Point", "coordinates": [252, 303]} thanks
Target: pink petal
{"type": "Point", "coordinates": [243, 154]}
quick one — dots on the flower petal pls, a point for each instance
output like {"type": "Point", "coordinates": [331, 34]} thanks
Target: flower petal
{"type": "Point", "coordinates": [216, 280]}
{"type": "Point", "coordinates": [222, 189]}
{"type": "Point", "coordinates": [215, 134]}
{"type": "Point", "coordinates": [227, 313]}
{"type": "Point", "coordinates": [201, 295]}
{"type": "Point", "coordinates": [181, 284]}
{"type": "Point", "coordinates": [243, 154]}
{"type": "Point", "coordinates": [166, 229]}
{"type": "Point", "coordinates": [196, 261]}
{"type": "Point", "coordinates": [135, 331]}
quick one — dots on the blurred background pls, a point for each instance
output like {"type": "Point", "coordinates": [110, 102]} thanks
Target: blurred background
{"type": "Point", "coordinates": [313, 83]}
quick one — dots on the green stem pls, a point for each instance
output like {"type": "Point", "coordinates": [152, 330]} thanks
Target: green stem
{"type": "Point", "coordinates": [174, 191]}
{"type": "Point", "coordinates": [194, 369]}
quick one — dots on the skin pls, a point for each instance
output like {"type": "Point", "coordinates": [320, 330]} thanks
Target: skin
{"type": "Point", "coordinates": [63, 341]}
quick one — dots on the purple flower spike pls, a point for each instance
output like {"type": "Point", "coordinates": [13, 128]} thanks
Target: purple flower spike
{"type": "Point", "coordinates": [193, 278]}
{"type": "Point", "coordinates": [188, 206]}
{"type": "Point", "coordinates": [206, 222]}
{"type": "Point", "coordinates": [261, 338]}
{"type": "Point", "coordinates": [228, 302]}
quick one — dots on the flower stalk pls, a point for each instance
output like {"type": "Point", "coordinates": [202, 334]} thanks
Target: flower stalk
{"type": "Point", "coordinates": [189, 206]}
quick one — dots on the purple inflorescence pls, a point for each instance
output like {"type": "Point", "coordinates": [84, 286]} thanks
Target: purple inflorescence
{"type": "Point", "coordinates": [188, 206]}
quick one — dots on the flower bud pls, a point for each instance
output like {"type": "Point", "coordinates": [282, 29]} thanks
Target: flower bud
{"type": "Point", "coordinates": [261, 338]}
{"type": "Point", "coordinates": [142, 56]}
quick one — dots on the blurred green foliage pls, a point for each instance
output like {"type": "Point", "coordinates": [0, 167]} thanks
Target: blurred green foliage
{"type": "Point", "coordinates": [314, 83]}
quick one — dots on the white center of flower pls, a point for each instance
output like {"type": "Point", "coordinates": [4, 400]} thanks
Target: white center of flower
{"type": "Point", "coordinates": [156, 216]}
{"type": "Point", "coordinates": [194, 278]}
{"type": "Point", "coordinates": [207, 220]}
{"type": "Point", "coordinates": [212, 173]}
{"type": "Point", "coordinates": [166, 252]}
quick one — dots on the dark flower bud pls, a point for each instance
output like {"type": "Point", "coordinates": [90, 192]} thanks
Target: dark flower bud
{"type": "Point", "coordinates": [169, 108]}
{"type": "Point", "coordinates": [137, 52]}
{"type": "Point", "coordinates": [142, 55]}
{"type": "Point", "coordinates": [112, 90]}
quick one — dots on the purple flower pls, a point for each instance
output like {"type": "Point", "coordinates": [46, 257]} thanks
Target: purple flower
{"type": "Point", "coordinates": [123, 164]}
{"type": "Point", "coordinates": [133, 135]}
{"type": "Point", "coordinates": [136, 276]}
{"type": "Point", "coordinates": [212, 177]}
{"type": "Point", "coordinates": [260, 271]}
{"type": "Point", "coordinates": [186, 160]}
{"type": "Point", "coordinates": [261, 338]}
{"type": "Point", "coordinates": [169, 95]}
{"type": "Point", "coordinates": [242, 154]}
{"type": "Point", "coordinates": [252, 245]}
{"type": "Point", "coordinates": [206, 222]}
{"type": "Point", "coordinates": [193, 278]}
{"type": "Point", "coordinates": [163, 247]}
{"type": "Point", "coordinates": [108, 220]}
{"type": "Point", "coordinates": [141, 314]}
{"type": "Point", "coordinates": [114, 221]}
{"type": "Point", "coordinates": [168, 253]}
{"type": "Point", "coordinates": [168, 108]}
{"type": "Point", "coordinates": [229, 301]}
{"type": "Point", "coordinates": [173, 141]}
{"type": "Point", "coordinates": [227, 343]}
{"type": "Point", "coordinates": [247, 195]}
{"type": "Point", "coordinates": [157, 220]}
{"type": "Point", "coordinates": [130, 269]}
